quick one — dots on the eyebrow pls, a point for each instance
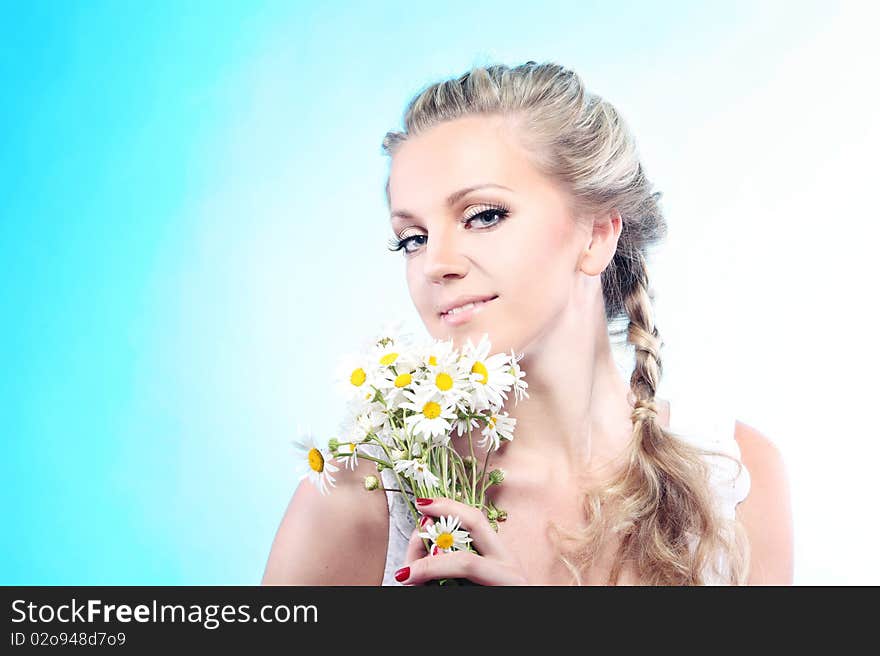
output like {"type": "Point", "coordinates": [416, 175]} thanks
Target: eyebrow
{"type": "Point", "coordinates": [452, 199]}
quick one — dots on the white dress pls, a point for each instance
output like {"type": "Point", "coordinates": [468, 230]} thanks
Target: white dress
{"type": "Point", "coordinates": [709, 428]}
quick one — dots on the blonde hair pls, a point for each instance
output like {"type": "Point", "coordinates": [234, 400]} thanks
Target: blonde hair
{"type": "Point", "coordinates": [660, 507]}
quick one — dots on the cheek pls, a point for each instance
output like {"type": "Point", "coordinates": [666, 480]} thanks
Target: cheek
{"type": "Point", "coordinates": [537, 264]}
{"type": "Point", "coordinates": [419, 293]}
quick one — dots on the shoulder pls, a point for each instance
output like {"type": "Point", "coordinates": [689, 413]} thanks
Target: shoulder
{"type": "Point", "coordinates": [339, 538]}
{"type": "Point", "coordinates": [766, 510]}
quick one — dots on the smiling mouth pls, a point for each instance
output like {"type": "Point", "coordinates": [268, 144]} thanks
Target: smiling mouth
{"type": "Point", "coordinates": [464, 313]}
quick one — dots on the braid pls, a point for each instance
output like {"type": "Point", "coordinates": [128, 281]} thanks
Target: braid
{"type": "Point", "coordinates": [667, 482]}
{"type": "Point", "coordinates": [644, 337]}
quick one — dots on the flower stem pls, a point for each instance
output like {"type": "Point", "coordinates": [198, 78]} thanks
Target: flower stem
{"type": "Point", "coordinates": [379, 460]}
{"type": "Point", "coordinates": [473, 489]}
{"type": "Point", "coordinates": [483, 478]}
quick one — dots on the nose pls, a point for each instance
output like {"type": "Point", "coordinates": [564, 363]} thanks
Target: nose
{"type": "Point", "coordinates": [443, 256]}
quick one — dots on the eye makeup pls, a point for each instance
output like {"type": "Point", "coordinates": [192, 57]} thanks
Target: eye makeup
{"type": "Point", "coordinates": [499, 210]}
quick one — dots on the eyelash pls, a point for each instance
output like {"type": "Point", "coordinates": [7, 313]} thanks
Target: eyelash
{"type": "Point", "coordinates": [396, 243]}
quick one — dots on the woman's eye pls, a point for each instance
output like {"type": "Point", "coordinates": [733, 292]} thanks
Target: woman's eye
{"type": "Point", "coordinates": [488, 215]}
{"type": "Point", "coordinates": [404, 243]}
{"type": "Point", "coordinates": [484, 219]}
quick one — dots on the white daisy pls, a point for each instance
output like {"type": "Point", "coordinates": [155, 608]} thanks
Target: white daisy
{"type": "Point", "coordinates": [489, 375]}
{"type": "Point", "coordinates": [418, 471]}
{"type": "Point", "coordinates": [431, 415]}
{"type": "Point", "coordinates": [445, 534]}
{"type": "Point", "coordinates": [451, 382]}
{"type": "Point", "coordinates": [498, 427]}
{"type": "Point", "coordinates": [437, 353]}
{"type": "Point", "coordinates": [393, 382]}
{"type": "Point", "coordinates": [387, 354]}
{"type": "Point", "coordinates": [348, 451]}
{"type": "Point", "coordinates": [314, 461]}
{"type": "Point", "coordinates": [355, 377]}
{"type": "Point", "coordinates": [519, 385]}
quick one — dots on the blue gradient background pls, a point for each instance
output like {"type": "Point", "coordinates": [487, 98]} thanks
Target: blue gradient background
{"type": "Point", "coordinates": [192, 226]}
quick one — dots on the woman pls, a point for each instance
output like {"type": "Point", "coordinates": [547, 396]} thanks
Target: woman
{"type": "Point", "coordinates": [517, 190]}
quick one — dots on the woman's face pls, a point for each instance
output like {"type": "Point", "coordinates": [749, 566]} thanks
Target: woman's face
{"type": "Point", "coordinates": [518, 243]}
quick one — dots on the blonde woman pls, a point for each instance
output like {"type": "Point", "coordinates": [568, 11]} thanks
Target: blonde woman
{"type": "Point", "coordinates": [517, 190]}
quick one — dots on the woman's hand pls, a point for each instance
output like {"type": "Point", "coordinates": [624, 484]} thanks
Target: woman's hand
{"type": "Point", "coordinates": [495, 565]}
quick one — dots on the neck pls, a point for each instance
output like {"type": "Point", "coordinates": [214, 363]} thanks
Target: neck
{"type": "Point", "coordinates": [576, 421]}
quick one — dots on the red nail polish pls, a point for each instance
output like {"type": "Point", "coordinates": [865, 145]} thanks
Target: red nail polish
{"type": "Point", "coordinates": [423, 520]}
{"type": "Point", "coordinates": [423, 502]}
{"type": "Point", "coordinates": [402, 574]}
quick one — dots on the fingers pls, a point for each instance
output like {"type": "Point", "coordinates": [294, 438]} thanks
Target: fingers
{"type": "Point", "coordinates": [416, 547]}
{"type": "Point", "coordinates": [485, 539]}
{"type": "Point", "coordinates": [463, 565]}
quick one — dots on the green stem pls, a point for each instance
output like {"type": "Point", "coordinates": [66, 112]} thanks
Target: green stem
{"type": "Point", "coordinates": [473, 489]}
{"type": "Point", "coordinates": [366, 457]}
{"type": "Point", "coordinates": [460, 463]}
{"type": "Point", "coordinates": [444, 466]}
{"type": "Point", "coordinates": [484, 479]}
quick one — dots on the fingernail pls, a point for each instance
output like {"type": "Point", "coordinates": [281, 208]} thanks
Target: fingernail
{"type": "Point", "coordinates": [423, 520]}
{"type": "Point", "coordinates": [423, 502]}
{"type": "Point", "coordinates": [402, 574]}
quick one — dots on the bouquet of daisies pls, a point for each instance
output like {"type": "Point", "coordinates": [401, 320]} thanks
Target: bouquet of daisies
{"type": "Point", "coordinates": [410, 405]}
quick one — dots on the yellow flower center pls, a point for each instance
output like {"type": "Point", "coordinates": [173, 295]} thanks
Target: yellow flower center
{"type": "Point", "coordinates": [445, 540]}
{"type": "Point", "coordinates": [358, 376]}
{"type": "Point", "coordinates": [432, 361]}
{"type": "Point", "coordinates": [403, 380]}
{"type": "Point", "coordinates": [316, 460]}
{"type": "Point", "coordinates": [444, 382]}
{"type": "Point", "coordinates": [492, 421]}
{"type": "Point", "coordinates": [480, 368]}
{"type": "Point", "coordinates": [388, 358]}
{"type": "Point", "coordinates": [431, 410]}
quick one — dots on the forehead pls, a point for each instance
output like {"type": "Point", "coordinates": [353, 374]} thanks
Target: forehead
{"type": "Point", "coordinates": [453, 155]}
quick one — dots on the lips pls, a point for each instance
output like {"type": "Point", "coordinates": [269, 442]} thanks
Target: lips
{"type": "Point", "coordinates": [462, 314]}
{"type": "Point", "coordinates": [464, 302]}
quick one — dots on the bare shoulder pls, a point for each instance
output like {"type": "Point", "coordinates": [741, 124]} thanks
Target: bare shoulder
{"type": "Point", "coordinates": [766, 511]}
{"type": "Point", "coordinates": [340, 538]}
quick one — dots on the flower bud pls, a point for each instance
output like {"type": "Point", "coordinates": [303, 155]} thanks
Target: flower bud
{"type": "Point", "coordinates": [333, 444]}
{"type": "Point", "coordinates": [494, 525]}
{"type": "Point", "coordinates": [502, 515]}
{"type": "Point", "coordinates": [371, 483]}
{"type": "Point", "coordinates": [492, 514]}
{"type": "Point", "coordinates": [496, 476]}
{"type": "Point", "coordinates": [380, 467]}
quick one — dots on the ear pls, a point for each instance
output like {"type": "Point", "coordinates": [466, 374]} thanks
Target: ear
{"type": "Point", "coordinates": [602, 243]}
